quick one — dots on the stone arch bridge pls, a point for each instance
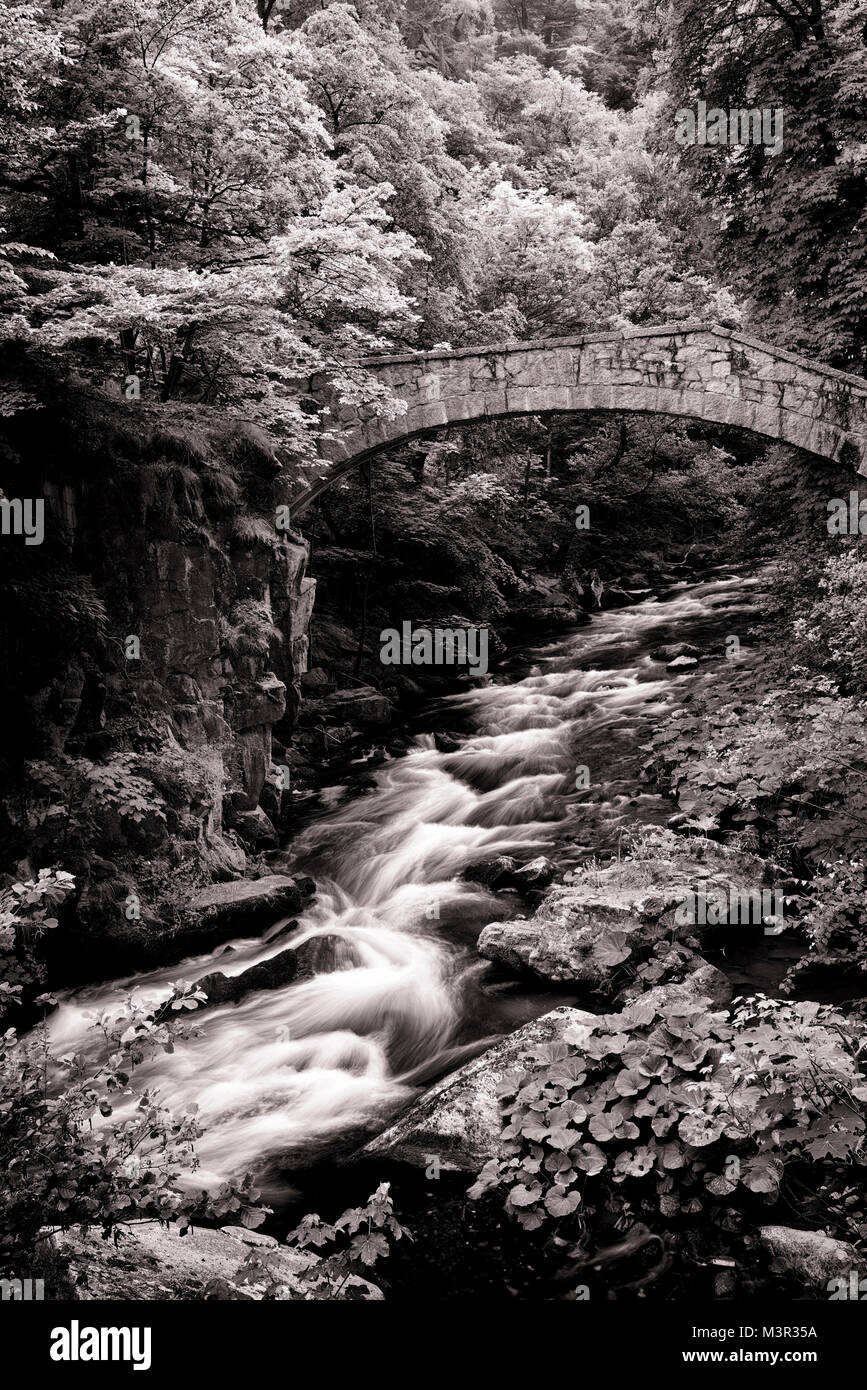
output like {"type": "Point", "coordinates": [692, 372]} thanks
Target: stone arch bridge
{"type": "Point", "coordinates": [696, 370]}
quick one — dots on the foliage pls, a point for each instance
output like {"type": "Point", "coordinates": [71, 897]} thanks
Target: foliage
{"type": "Point", "coordinates": [26, 911]}
{"type": "Point", "coordinates": [668, 1111]}
{"type": "Point", "coordinates": [834, 919]}
{"type": "Point", "coordinates": [795, 771]}
{"type": "Point", "coordinates": [75, 803]}
{"type": "Point", "coordinates": [206, 245]}
{"type": "Point", "coordinates": [832, 638]}
{"type": "Point", "coordinates": [788, 225]}
{"type": "Point", "coordinates": [249, 630]}
{"type": "Point", "coordinates": [61, 1162]}
{"type": "Point", "coordinates": [359, 1239]}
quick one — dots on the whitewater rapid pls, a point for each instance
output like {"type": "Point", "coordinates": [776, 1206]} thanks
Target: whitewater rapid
{"type": "Point", "coordinates": [288, 1070]}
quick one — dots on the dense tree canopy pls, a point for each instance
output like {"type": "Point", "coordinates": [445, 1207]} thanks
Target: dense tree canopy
{"type": "Point", "coordinates": [209, 202]}
{"type": "Point", "coordinates": [790, 227]}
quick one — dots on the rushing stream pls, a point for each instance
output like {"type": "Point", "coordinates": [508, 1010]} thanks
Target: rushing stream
{"type": "Point", "coordinates": [405, 996]}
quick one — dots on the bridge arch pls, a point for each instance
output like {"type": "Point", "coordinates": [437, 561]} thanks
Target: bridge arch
{"type": "Point", "coordinates": [696, 370]}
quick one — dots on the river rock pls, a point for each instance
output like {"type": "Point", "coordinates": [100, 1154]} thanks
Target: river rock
{"type": "Point", "coordinates": [557, 943]}
{"type": "Point", "coordinates": [254, 828]}
{"type": "Point", "coordinates": [241, 907]}
{"type": "Point", "coordinates": [279, 970]}
{"type": "Point", "coordinates": [672, 651]}
{"type": "Point", "coordinates": [491, 872]}
{"type": "Point", "coordinates": [152, 1262]}
{"type": "Point", "coordinates": [283, 928]}
{"type": "Point", "coordinates": [538, 873]}
{"type": "Point", "coordinates": [363, 705]}
{"type": "Point", "coordinates": [680, 662]}
{"type": "Point", "coordinates": [447, 743]}
{"type": "Point", "coordinates": [318, 955]}
{"type": "Point", "coordinates": [322, 955]}
{"type": "Point", "coordinates": [459, 1119]}
{"type": "Point", "coordinates": [506, 872]}
{"type": "Point", "coordinates": [811, 1256]}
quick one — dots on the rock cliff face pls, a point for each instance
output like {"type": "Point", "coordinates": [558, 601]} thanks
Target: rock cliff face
{"type": "Point", "coordinates": [157, 638]}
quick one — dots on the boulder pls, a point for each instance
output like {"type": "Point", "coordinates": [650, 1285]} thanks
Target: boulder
{"type": "Point", "coordinates": [672, 651]}
{"type": "Point", "coordinates": [284, 928]}
{"type": "Point", "coordinates": [322, 955]}
{"type": "Point", "coordinates": [680, 662]}
{"type": "Point", "coordinates": [506, 872]}
{"type": "Point", "coordinates": [705, 982]}
{"type": "Point", "coordinates": [148, 1262]}
{"type": "Point", "coordinates": [279, 970]}
{"type": "Point", "coordinates": [459, 1119]}
{"type": "Point", "coordinates": [566, 939]}
{"type": "Point", "coordinates": [509, 943]}
{"type": "Point", "coordinates": [254, 828]}
{"type": "Point", "coordinates": [557, 943]}
{"type": "Point", "coordinates": [240, 907]}
{"type": "Point", "coordinates": [318, 955]}
{"type": "Point", "coordinates": [152, 1262]}
{"type": "Point", "coordinates": [812, 1257]}
{"type": "Point", "coordinates": [364, 705]}
{"type": "Point", "coordinates": [315, 682]}
{"type": "Point", "coordinates": [491, 872]}
{"type": "Point", "coordinates": [243, 906]}
{"type": "Point", "coordinates": [538, 873]}
{"type": "Point", "coordinates": [667, 870]}
{"type": "Point", "coordinates": [447, 743]}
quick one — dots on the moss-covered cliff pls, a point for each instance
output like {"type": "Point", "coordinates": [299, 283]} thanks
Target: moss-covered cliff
{"type": "Point", "coordinates": [152, 642]}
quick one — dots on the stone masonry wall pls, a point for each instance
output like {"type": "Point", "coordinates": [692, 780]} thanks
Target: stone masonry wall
{"type": "Point", "coordinates": [695, 370]}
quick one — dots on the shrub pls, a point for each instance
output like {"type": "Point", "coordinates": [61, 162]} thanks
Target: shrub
{"type": "Point", "coordinates": [834, 917]}
{"type": "Point", "coordinates": [359, 1239]}
{"type": "Point", "coordinates": [74, 804]}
